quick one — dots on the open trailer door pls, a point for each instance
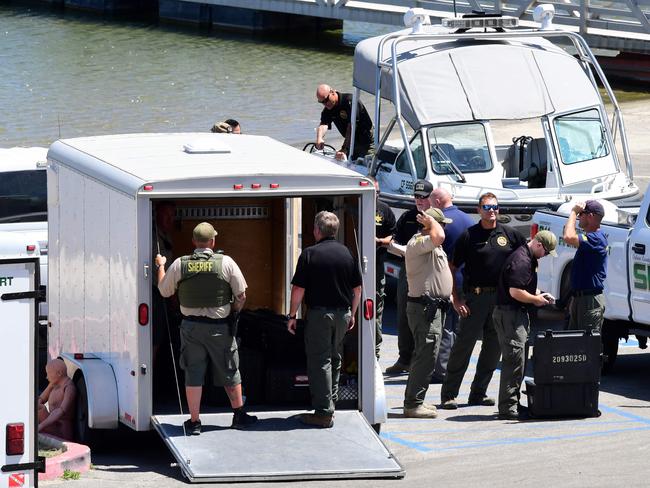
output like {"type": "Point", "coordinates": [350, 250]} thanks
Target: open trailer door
{"type": "Point", "coordinates": [19, 298]}
{"type": "Point", "coordinates": [278, 447]}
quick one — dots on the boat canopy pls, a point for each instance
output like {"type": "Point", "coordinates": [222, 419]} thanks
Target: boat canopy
{"type": "Point", "coordinates": [447, 80]}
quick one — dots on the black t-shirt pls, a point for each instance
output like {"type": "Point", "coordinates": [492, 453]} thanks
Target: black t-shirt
{"type": "Point", "coordinates": [483, 251]}
{"type": "Point", "coordinates": [407, 225]}
{"type": "Point", "coordinates": [519, 271]}
{"type": "Point", "coordinates": [341, 115]}
{"type": "Point", "coordinates": [328, 272]}
{"type": "Point", "coordinates": [384, 223]}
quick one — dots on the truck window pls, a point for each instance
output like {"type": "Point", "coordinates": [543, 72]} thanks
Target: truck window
{"type": "Point", "coordinates": [23, 196]}
{"type": "Point", "coordinates": [402, 163]}
{"type": "Point", "coordinates": [581, 136]}
{"type": "Point", "coordinates": [463, 144]}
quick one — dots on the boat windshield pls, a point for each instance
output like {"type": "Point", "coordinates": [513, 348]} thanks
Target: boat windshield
{"type": "Point", "coordinates": [23, 196]}
{"type": "Point", "coordinates": [581, 136]}
{"type": "Point", "coordinates": [464, 145]}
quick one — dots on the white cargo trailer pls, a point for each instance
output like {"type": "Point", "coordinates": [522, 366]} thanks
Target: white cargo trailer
{"type": "Point", "coordinates": [19, 299]}
{"type": "Point", "coordinates": [261, 195]}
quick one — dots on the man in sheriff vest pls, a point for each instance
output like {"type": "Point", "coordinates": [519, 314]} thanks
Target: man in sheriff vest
{"type": "Point", "coordinates": [210, 287]}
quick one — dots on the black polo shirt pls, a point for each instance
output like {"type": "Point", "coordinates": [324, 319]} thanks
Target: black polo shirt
{"type": "Point", "coordinates": [341, 114]}
{"type": "Point", "coordinates": [483, 252]}
{"type": "Point", "coordinates": [406, 227]}
{"type": "Point", "coordinates": [328, 272]}
{"type": "Point", "coordinates": [519, 271]}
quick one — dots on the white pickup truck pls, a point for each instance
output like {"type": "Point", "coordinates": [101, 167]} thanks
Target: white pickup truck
{"type": "Point", "coordinates": [627, 287]}
{"type": "Point", "coordinates": [23, 206]}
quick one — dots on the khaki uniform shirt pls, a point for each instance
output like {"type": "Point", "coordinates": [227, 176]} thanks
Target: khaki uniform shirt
{"type": "Point", "coordinates": [231, 273]}
{"type": "Point", "coordinates": [427, 268]}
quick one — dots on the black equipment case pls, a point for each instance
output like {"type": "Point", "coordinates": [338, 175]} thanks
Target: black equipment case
{"type": "Point", "coordinates": [566, 366]}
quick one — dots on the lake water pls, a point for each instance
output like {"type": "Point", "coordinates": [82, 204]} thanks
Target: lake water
{"type": "Point", "coordinates": [70, 75]}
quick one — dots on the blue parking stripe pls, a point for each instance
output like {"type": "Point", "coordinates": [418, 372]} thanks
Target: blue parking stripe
{"type": "Point", "coordinates": [631, 416]}
{"type": "Point", "coordinates": [418, 446]}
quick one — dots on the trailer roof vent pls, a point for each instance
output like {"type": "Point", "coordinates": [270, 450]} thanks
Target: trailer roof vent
{"type": "Point", "coordinates": [210, 144]}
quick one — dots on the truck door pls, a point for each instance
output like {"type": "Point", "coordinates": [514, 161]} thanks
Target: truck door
{"type": "Point", "coordinates": [18, 346]}
{"type": "Point", "coordinates": [639, 266]}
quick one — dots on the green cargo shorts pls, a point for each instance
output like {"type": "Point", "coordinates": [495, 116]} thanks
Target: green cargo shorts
{"type": "Point", "coordinates": [203, 344]}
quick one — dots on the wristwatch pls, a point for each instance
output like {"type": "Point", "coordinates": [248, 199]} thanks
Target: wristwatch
{"type": "Point", "coordinates": [290, 317]}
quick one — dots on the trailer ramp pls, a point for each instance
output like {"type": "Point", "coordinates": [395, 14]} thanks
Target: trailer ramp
{"type": "Point", "coordinates": [278, 447]}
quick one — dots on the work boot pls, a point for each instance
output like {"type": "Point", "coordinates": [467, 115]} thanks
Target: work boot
{"type": "Point", "coordinates": [510, 415]}
{"type": "Point", "coordinates": [397, 368]}
{"type": "Point", "coordinates": [192, 428]}
{"type": "Point", "coordinates": [241, 420]}
{"type": "Point", "coordinates": [430, 406]}
{"type": "Point", "coordinates": [449, 404]}
{"type": "Point", "coordinates": [420, 412]}
{"type": "Point", "coordinates": [484, 401]}
{"type": "Point", "coordinates": [322, 421]}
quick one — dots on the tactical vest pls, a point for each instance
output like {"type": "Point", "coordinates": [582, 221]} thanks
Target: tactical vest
{"type": "Point", "coordinates": [202, 284]}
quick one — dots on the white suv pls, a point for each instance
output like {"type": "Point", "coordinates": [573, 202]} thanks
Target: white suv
{"type": "Point", "coordinates": [23, 206]}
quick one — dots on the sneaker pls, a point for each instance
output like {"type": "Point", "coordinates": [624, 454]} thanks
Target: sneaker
{"type": "Point", "coordinates": [484, 401]}
{"type": "Point", "coordinates": [430, 406]}
{"type": "Point", "coordinates": [192, 428]}
{"type": "Point", "coordinates": [241, 420]}
{"type": "Point", "coordinates": [420, 412]}
{"type": "Point", "coordinates": [449, 404]}
{"type": "Point", "coordinates": [322, 421]}
{"type": "Point", "coordinates": [397, 368]}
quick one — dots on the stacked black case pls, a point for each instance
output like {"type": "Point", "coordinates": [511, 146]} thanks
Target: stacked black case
{"type": "Point", "coordinates": [566, 367]}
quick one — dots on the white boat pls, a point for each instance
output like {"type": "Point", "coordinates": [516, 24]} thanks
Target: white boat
{"type": "Point", "coordinates": [482, 108]}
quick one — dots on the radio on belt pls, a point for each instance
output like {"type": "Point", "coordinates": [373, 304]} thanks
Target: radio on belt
{"type": "Point", "coordinates": [566, 367]}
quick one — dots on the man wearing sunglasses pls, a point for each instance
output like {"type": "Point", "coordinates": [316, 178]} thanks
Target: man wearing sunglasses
{"type": "Point", "coordinates": [337, 109]}
{"type": "Point", "coordinates": [516, 294]}
{"type": "Point", "coordinates": [589, 268]}
{"type": "Point", "coordinates": [482, 249]}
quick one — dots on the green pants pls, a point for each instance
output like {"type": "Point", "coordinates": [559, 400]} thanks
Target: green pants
{"type": "Point", "coordinates": [426, 338]}
{"type": "Point", "coordinates": [380, 289]}
{"type": "Point", "coordinates": [587, 313]}
{"type": "Point", "coordinates": [512, 326]}
{"type": "Point", "coordinates": [479, 321]}
{"type": "Point", "coordinates": [324, 333]}
{"type": "Point", "coordinates": [404, 334]}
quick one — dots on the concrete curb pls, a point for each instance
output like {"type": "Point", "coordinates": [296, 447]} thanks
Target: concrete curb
{"type": "Point", "coordinates": [75, 457]}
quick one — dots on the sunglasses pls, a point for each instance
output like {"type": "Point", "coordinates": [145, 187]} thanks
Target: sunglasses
{"type": "Point", "coordinates": [487, 208]}
{"type": "Point", "coordinates": [326, 99]}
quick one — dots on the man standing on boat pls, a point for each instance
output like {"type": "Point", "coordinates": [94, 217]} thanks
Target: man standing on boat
{"type": "Point", "coordinates": [338, 110]}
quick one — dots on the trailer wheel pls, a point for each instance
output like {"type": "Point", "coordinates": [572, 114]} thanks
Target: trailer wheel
{"type": "Point", "coordinates": [610, 345]}
{"type": "Point", "coordinates": [83, 432]}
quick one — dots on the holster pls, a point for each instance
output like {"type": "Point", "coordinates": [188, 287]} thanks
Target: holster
{"type": "Point", "coordinates": [233, 323]}
{"type": "Point", "coordinates": [433, 304]}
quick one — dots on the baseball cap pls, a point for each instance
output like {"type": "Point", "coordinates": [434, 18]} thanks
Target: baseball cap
{"type": "Point", "coordinates": [203, 232]}
{"type": "Point", "coordinates": [437, 214]}
{"type": "Point", "coordinates": [222, 128]}
{"type": "Point", "coordinates": [548, 240]}
{"type": "Point", "coordinates": [422, 188]}
{"type": "Point", "coordinates": [594, 207]}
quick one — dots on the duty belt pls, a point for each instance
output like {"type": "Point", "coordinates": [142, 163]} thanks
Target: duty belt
{"type": "Point", "coordinates": [477, 290]}
{"type": "Point", "coordinates": [587, 293]}
{"type": "Point", "coordinates": [206, 320]}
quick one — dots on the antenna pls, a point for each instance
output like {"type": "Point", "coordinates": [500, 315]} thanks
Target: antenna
{"type": "Point", "coordinates": [58, 117]}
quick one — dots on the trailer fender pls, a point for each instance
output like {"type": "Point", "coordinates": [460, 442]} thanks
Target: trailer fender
{"type": "Point", "coordinates": [101, 388]}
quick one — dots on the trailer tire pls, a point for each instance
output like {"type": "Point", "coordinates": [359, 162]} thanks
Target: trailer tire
{"type": "Point", "coordinates": [610, 346]}
{"type": "Point", "coordinates": [83, 433]}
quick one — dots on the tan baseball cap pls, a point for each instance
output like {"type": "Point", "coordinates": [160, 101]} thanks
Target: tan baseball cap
{"type": "Point", "coordinates": [548, 240]}
{"type": "Point", "coordinates": [204, 232]}
{"type": "Point", "coordinates": [437, 214]}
